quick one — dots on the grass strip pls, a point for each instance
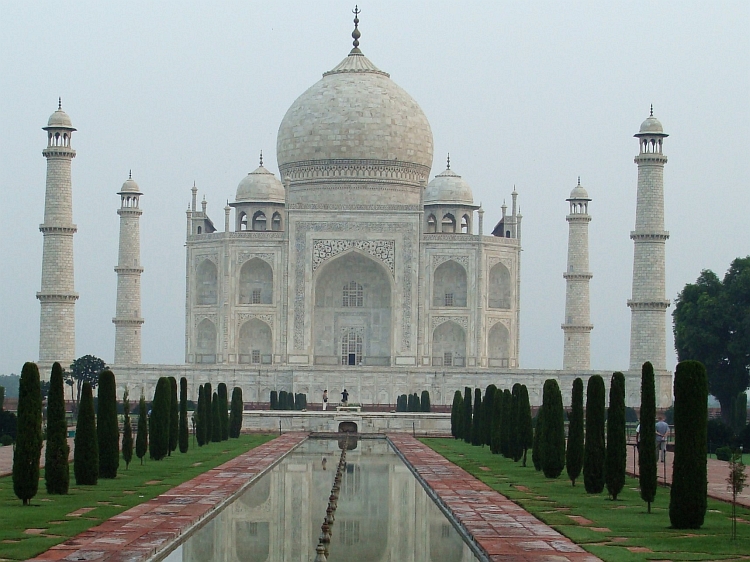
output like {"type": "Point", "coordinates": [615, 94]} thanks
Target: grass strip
{"type": "Point", "coordinates": [52, 519]}
{"type": "Point", "coordinates": [616, 531]}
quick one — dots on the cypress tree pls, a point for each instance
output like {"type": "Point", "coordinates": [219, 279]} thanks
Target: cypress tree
{"type": "Point", "coordinates": [107, 426]}
{"type": "Point", "coordinates": [553, 435]}
{"type": "Point", "coordinates": [525, 426]}
{"type": "Point", "coordinates": [505, 429]}
{"type": "Point", "coordinates": [184, 433]}
{"type": "Point", "coordinates": [593, 449]}
{"type": "Point", "coordinates": [468, 411]}
{"type": "Point", "coordinates": [141, 439]}
{"type": "Point", "coordinates": [616, 456]}
{"type": "Point", "coordinates": [235, 417]}
{"type": "Point", "coordinates": [215, 419]}
{"type": "Point", "coordinates": [647, 474]}
{"type": "Point", "coordinates": [401, 403]}
{"type": "Point", "coordinates": [28, 449]}
{"type": "Point", "coordinates": [687, 500]}
{"type": "Point", "coordinates": [536, 454]}
{"type": "Point", "coordinates": [425, 401]}
{"type": "Point", "coordinates": [224, 410]}
{"type": "Point", "coordinates": [456, 414]}
{"type": "Point", "coordinates": [274, 400]}
{"type": "Point", "coordinates": [574, 454]}
{"type": "Point", "coordinates": [174, 415]}
{"type": "Point", "coordinates": [282, 401]}
{"type": "Point", "coordinates": [515, 427]}
{"type": "Point", "coordinates": [56, 468]}
{"type": "Point", "coordinates": [417, 403]}
{"type": "Point", "coordinates": [200, 418]}
{"type": "Point", "coordinates": [488, 406]}
{"type": "Point", "coordinates": [497, 421]}
{"type": "Point", "coordinates": [208, 418]}
{"type": "Point", "coordinates": [86, 444]}
{"type": "Point", "coordinates": [476, 428]}
{"type": "Point", "coordinates": [410, 403]}
{"type": "Point", "coordinates": [127, 431]}
{"type": "Point", "coordinates": [159, 422]}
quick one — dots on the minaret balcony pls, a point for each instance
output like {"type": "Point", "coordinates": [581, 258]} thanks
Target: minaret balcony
{"type": "Point", "coordinates": [57, 297]}
{"type": "Point", "coordinates": [649, 305]}
{"type": "Point", "coordinates": [58, 229]}
{"type": "Point", "coordinates": [649, 236]}
{"type": "Point", "coordinates": [577, 328]}
{"type": "Point", "coordinates": [577, 276]}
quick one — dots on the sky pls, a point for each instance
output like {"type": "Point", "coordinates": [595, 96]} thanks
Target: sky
{"type": "Point", "coordinates": [526, 94]}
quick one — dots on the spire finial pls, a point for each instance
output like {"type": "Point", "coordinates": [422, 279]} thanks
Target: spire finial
{"type": "Point", "coordinates": [652, 110]}
{"type": "Point", "coordinates": [449, 160]}
{"type": "Point", "coordinates": [579, 181]}
{"type": "Point", "coordinates": [59, 103]}
{"type": "Point", "coordinates": [130, 174]}
{"type": "Point", "coordinates": [261, 158]}
{"type": "Point", "coordinates": [356, 34]}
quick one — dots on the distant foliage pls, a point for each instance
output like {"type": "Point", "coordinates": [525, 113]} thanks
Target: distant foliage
{"type": "Point", "coordinates": [616, 439]}
{"type": "Point", "coordinates": [184, 432]}
{"type": "Point", "coordinates": [425, 401]}
{"type": "Point", "coordinates": [86, 444]}
{"type": "Point", "coordinates": [647, 448]}
{"type": "Point", "coordinates": [127, 431]}
{"type": "Point", "coordinates": [28, 448]}
{"type": "Point", "coordinates": [235, 417]}
{"type": "Point", "coordinates": [107, 426]}
{"type": "Point", "coordinates": [574, 453]}
{"type": "Point", "coordinates": [594, 450]}
{"type": "Point", "coordinates": [687, 500]}
{"type": "Point", "coordinates": [274, 400]}
{"type": "Point", "coordinates": [141, 440]}
{"type": "Point", "coordinates": [56, 466]}
{"type": "Point", "coordinates": [402, 403]}
{"type": "Point", "coordinates": [159, 422]}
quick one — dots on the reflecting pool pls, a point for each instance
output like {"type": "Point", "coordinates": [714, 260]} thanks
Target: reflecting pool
{"type": "Point", "coordinates": [383, 513]}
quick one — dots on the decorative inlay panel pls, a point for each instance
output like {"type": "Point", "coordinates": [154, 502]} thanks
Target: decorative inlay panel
{"type": "Point", "coordinates": [384, 250]}
{"type": "Point", "coordinates": [243, 317]}
{"type": "Point", "coordinates": [462, 321]}
{"type": "Point", "coordinates": [198, 318]}
{"type": "Point", "coordinates": [242, 257]}
{"type": "Point", "coordinates": [494, 260]}
{"type": "Point", "coordinates": [439, 259]}
{"type": "Point", "coordinates": [491, 321]}
{"type": "Point", "coordinates": [349, 207]}
{"type": "Point", "coordinates": [213, 258]}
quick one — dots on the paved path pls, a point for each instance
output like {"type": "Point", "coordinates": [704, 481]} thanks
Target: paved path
{"type": "Point", "coordinates": [6, 457]}
{"type": "Point", "coordinates": [143, 530]}
{"type": "Point", "coordinates": [504, 530]}
{"type": "Point", "coordinates": [718, 471]}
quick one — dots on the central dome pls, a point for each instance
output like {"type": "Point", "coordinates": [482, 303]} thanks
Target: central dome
{"type": "Point", "coordinates": [355, 123]}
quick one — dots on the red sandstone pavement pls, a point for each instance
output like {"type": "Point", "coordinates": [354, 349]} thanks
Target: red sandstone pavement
{"type": "Point", "coordinates": [6, 457]}
{"type": "Point", "coordinates": [501, 528]}
{"type": "Point", "coordinates": [140, 532]}
{"type": "Point", "coordinates": [717, 472]}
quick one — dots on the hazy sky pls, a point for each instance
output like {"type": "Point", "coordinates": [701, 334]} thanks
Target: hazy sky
{"type": "Point", "coordinates": [531, 94]}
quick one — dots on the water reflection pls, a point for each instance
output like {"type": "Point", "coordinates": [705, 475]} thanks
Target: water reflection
{"type": "Point", "coordinates": [383, 513]}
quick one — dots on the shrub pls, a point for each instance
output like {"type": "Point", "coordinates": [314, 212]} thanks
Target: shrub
{"type": "Point", "coordinates": [456, 414]}
{"type": "Point", "coordinates": [200, 418]}
{"type": "Point", "coordinates": [107, 426]}
{"type": "Point", "coordinates": [468, 412]}
{"type": "Point", "coordinates": [687, 500]}
{"type": "Point", "coordinates": [56, 467]}
{"type": "Point", "coordinates": [593, 449]}
{"type": "Point", "coordinates": [552, 449]}
{"type": "Point", "coordinates": [216, 418]}
{"type": "Point", "coordinates": [476, 428]}
{"type": "Point", "coordinates": [223, 411]}
{"type": "Point", "coordinates": [274, 400]}
{"type": "Point", "coordinates": [425, 401]}
{"type": "Point", "coordinates": [184, 433]}
{"type": "Point", "coordinates": [524, 415]}
{"type": "Point", "coordinates": [160, 418]}
{"type": "Point", "coordinates": [647, 448]}
{"type": "Point", "coordinates": [718, 435]}
{"type": "Point", "coordinates": [141, 440]}
{"type": "Point", "coordinates": [724, 453]}
{"type": "Point", "coordinates": [174, 415]}
{"type": "Point", "coordinates": [235, 417]}
{"type": "Point", "coordinates": [127, 431]}
{"type": "Point", "coordinates": [29, 443]}
{"type": "Point", "coordinates": [402, 403]}
{"type": "Point", "coordinates": [283, 400]}
{"type": "Point", "coordinates": [506, 428]}
{"type": "Point", "coordinates": [739, 413]}
{"type": "Point", "coordinates": [574, 454]}
{"type": "Point", "coordinates": [630, 415]}
{"type": "Point", "coordinates": [86, 444]}
{"type": "Point", "coordinates": [616, 455]}
{"type": "Point", "coordinates": [6, 440]}
{"type": "Point", "coordinates": [8, 424]}
{"type": "Point", "coordinates": [489, 414]}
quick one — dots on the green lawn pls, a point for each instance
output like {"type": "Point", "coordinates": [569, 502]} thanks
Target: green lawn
{"type": "Point", "coordinates": [614, 526]}
{"type": "Point", "coordinates": [108, 498]}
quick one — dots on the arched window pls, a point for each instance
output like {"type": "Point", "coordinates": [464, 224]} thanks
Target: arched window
{"type": "Point", "coordinates": [256, 282]}
{"type": "Point", "coordinates": [449, 223]}
{"type": "Point", "coordinates": [205, 342]}
{"type": "Point", "coordinates": [351, 346]}
{"type": "Point", "coordinates": [498, 346]}
{"type": "Point", "coordinates": [449, 345]}
{"type": "Point", "coordinates": [259, 221]}
{"type": "Point", "coordinates": [449, 285]}
{"type": "Point", "coordinates": [431, 224]}
{"type": "Point", "coordinates": [353, 296]}
{"type": "Point", "coordinates": [206, 283]}
{"type": "Point", "coordinates": [465, 224]}
{"type": "Point", "coordinates": [243, 221]}
{"type": "Point", "coordinates": [499, 287]}
{"type": "Point", "coordinates": [276, 221]}
{"type": "Point", "coordinates": [255, 345]}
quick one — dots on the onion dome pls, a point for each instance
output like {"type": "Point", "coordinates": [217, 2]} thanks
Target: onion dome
{"type": "Point", "coordinates": [448, 188]}
{"type": "Point", "coordinates": [59, 119]}
{"type": "Point", "coordinates": [260, 185]}
{"type": "Point", "coordinates": [579, 192]}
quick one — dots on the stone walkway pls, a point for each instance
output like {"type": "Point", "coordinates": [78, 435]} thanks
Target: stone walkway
{"type": "Point", "coordinates": [140, 532]}
{"type": "Point", "coordinates": [717, 471]}
{"type": "Point", "coordinates": [6, 458]}
{"type": "Point", "coordinates": [501, 528]}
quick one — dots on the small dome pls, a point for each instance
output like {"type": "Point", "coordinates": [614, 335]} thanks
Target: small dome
{"type": "Point", "coordinates": [130, 187]}
{"type": "Point", "coordinates": [579, 192]}
{"type": "Point", "coordinates": [450, 188]}
{"type": "Point", "coordinates": [260, 185]}
{"type": "Point", "coordinates": [59, 120]}
{"type": "Point", "coordinates": [651, 125]}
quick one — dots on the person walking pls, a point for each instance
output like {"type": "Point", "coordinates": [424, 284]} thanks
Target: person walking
{"type": "Point", "coordinates": [662, 434]}
{"type": "Point", "coordinates": [325, 399]}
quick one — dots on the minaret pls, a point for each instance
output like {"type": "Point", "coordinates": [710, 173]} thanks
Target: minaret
{"type": "Point", "coordinates": [127, 318]}
{"type": "Point", "coordinates": [57, 326]}
{"type": "Point", "coordinates": [577, 327]}
{"type": "Point", "coordinates": [648, 303]}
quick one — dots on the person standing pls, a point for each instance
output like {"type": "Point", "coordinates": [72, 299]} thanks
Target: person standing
{"type": "Point", "coordinates": [662, 434]}
{"type": "Point", "coordinates": [325, 399]}
{"type": "Point", "coordinates": [344, 397]}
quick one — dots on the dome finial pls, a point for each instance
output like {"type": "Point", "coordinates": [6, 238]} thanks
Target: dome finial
{"type": "Point", "coordinates": [59, 103]}
{"type": "Point", "coordinates": [449, 160]}
{"type": "Point", "coordinates": [652, 110]}
{"type": "Point", "coordinates": [261, 158]}
{"type": "Point", "coordinates": [356, 34]}
{"type": "Point", "coordinates": [130, 174]}
{"type": "Point", "coordinates": [579, 181]}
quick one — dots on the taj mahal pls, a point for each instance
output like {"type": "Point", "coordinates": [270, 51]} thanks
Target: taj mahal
{"type": "Point", "coordinates": [363, 264]}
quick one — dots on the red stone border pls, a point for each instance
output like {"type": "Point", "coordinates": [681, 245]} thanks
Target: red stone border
{"type": "Point", "coordinates": [143, 530]}
{"type": "Point", "coordinates": [502, 529]}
